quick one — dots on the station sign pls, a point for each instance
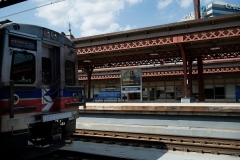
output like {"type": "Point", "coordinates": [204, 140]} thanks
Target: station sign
{"type": "Point", "coordinates": [131, 89]}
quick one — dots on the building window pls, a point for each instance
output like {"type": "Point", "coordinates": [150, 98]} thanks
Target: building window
{"type": "Point", "coordinates": [170, 92]}
{"type": "Point", "coordinates": [161, 92]}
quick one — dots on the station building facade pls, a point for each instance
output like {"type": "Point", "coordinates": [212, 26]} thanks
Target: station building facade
{"type": "Point", "coordinates": [217, 86]}
{"type": "Point", "coordinates": [216, 8]}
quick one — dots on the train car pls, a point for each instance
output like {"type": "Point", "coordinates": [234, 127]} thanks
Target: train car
{"type": "Point", "coordinates": [39, 90]}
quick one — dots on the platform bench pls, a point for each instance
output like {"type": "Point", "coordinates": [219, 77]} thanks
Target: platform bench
{"type": "Point", "coordinates": [108, 95]}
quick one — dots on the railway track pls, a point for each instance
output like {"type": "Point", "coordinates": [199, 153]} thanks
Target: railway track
{"type": "Point", "coordinates": [169, 142]}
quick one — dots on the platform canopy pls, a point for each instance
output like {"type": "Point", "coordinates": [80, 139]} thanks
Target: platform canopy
{"type": "Point", "coordinates": [5, 3]}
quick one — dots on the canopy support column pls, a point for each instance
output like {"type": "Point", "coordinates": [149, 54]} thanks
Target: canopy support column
{"type": "Point", "coordinates": [197, 9]}
{"type": "Point", "coordinates": [88, 70]}
{"type": "Point", "coordinates": [200, 79]}
{"type": "Point", "coordinates": [185, 88]}
{"type": "Point", "coordinates": [190, 61]}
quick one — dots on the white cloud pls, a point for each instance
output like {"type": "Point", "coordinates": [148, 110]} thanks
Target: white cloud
{"type": "Point", "coordinates": [133, 1]}
{"type": "Point", "coordinates": [91, 17]}
{"type": "Point", "coordinates": [164, 3]}
{"type": "Point", "coordinates": [185, 3]}
{"type": "Point", "coordinates": [128, 27]}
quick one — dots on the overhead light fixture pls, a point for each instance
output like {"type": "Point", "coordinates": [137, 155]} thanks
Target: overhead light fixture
{"type": "Point", "coordinates": [87, 60]}
{"type": "Point", "coordinates": [154, 53]}
{"type": "Point", "coordinates": [215, 47]}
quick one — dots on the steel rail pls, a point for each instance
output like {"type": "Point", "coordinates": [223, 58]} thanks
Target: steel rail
{"type": "Point", "coordinates": [172, 142]}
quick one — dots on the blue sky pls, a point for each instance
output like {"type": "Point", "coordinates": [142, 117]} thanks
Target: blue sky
{"type": "Point", "coordinates": [93, 17]}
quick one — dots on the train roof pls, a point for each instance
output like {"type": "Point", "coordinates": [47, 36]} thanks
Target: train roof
{"type": "Point", "coordinates": [7, 3]}
{"type": "Point", "coordinates": [36, 30]}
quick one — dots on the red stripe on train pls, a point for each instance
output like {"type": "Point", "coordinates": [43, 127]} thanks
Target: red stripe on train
{"type": "Point", "coordinates": [58, 105]}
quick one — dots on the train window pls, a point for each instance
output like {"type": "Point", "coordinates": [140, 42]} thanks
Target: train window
{"type": "Point", "coordinates": [23, 67]}
{"type": "Point", "coordinates": [46, 71]}
{"type": "Point", "coordinates": [69, 73]}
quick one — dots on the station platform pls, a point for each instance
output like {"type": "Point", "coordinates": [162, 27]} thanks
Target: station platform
{"type": "Point", "coordinates": [208, 119]}
{"type": "Point", "coordinates": [140, 153]}
{"type": "Point", "coordinates": [212, 108]}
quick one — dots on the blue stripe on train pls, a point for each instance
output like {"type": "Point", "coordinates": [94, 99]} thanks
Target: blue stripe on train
{"type": "Point", "coordinates": [70, 93]}
{"type": "Point", "coordinates": [4, 94]}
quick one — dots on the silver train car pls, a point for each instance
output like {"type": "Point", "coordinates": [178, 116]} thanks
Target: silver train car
{"type": "Point", "coordinates": [39, 90]}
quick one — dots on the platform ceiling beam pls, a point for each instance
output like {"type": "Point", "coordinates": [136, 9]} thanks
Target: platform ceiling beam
{"type": "Point", "coordinates": [166, 40]}
{"type": "Point", "coordinates": [225, 52]}
{"type": "Point", "coordinates": [169, 74]}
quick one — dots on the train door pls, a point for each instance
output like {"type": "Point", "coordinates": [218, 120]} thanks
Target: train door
{"type": "Point", "coordinates": [50, 78]}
